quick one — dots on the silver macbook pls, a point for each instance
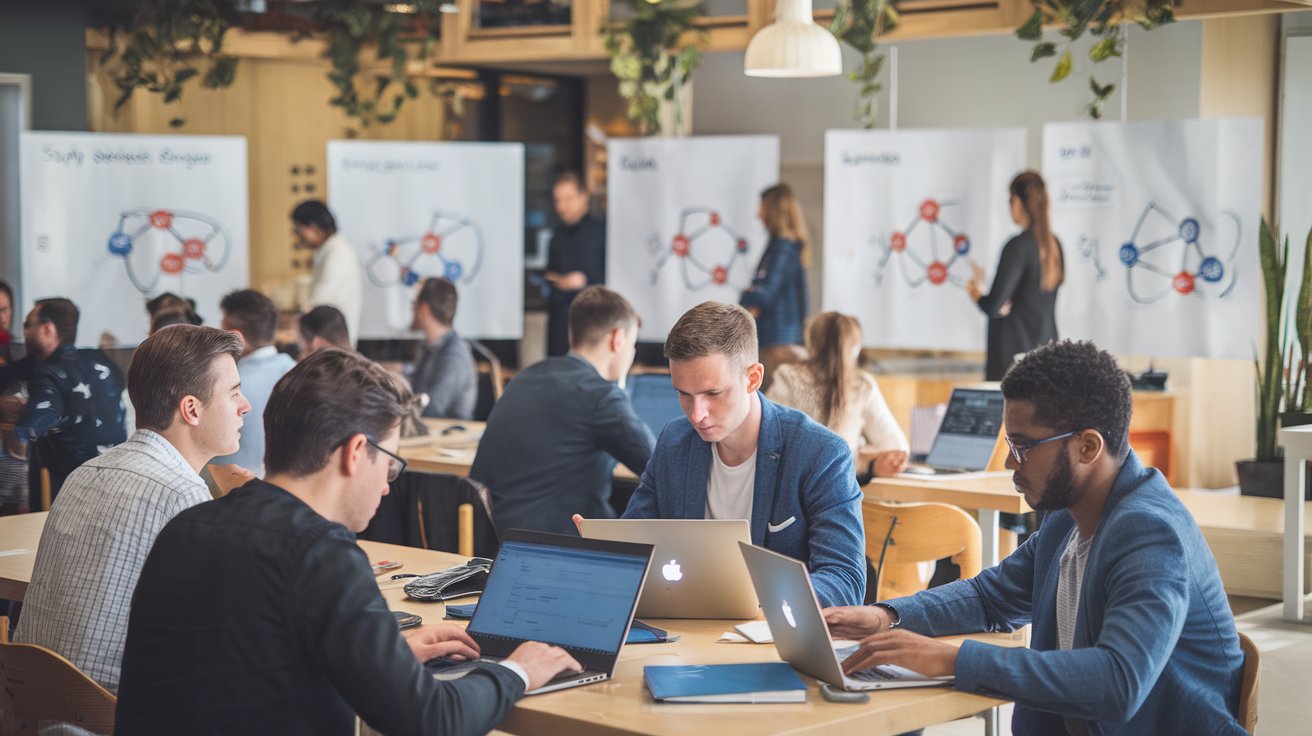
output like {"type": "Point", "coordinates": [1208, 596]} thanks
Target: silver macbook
{"type": "Point", "coordinates": [578, 594]}
{"type": "Point", "coordinates": [696, 570]}
{"type": "Point", "coordinates": [800, 633]}
{"type": "Point", "coordinates": [967, 436]}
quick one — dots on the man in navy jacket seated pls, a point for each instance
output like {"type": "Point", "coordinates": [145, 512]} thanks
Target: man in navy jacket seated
{"type": "Point", "coordinates": [1132, 631]}
{"type": "Point", "coordinates": [739, 456]}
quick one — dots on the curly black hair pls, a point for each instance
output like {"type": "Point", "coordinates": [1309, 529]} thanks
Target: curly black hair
{"type": "Point", "coordinates": [1074, 385]}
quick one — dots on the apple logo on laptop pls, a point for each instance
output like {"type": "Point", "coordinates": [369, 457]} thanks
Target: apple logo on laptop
{"type": "Point", "coordinates": [672, 572]}
{"type": "Point", "coordinates": [788, 614]}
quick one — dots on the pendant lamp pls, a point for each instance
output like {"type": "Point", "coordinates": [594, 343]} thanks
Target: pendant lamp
{"type": "Point", "coordinates": [793, 46]}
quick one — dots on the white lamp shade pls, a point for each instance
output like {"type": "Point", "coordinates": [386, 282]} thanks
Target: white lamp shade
{"type": "Point", "coordinates": [793, 46]}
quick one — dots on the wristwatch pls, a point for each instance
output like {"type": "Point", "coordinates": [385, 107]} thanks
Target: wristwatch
{"type": "Point", "coordinates": [897, 620]}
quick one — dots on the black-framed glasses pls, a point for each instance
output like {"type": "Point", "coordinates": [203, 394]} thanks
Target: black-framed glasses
{"type": "Point", "coordinates": [1018, 452]}
{"type": "Point", "coordinates": [395, 463]}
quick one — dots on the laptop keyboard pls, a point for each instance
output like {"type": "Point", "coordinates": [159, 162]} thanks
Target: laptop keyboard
{"type": "Point", "coordinates": [872, 674]}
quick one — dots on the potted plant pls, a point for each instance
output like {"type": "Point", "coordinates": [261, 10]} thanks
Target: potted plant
{"type": "Point", "coordinates": [1283, 398]}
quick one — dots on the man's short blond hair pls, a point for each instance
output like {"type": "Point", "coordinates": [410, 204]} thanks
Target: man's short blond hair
{"type": "Point", "coordinates": [712, 328]}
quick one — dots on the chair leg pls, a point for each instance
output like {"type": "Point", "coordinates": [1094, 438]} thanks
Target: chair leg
{"type": "Point", "coordinates": [992, 725]}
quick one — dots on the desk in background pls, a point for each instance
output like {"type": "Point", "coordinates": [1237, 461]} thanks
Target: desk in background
{"type": "Point", "coordinates": [987, 496]}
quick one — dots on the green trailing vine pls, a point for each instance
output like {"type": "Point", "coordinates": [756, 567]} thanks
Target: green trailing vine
{"type": "Point", "coordinates": [648, 60]}
{"type": "Point", "coordinates": [165, 44]}
{"type": "Point", "coordinates": [1105, 20]}
{"type": "Point", "coordinates": [858, 23]}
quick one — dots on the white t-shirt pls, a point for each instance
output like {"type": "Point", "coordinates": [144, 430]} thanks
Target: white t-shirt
{"type": "Point", "coordinates": [730, 489]}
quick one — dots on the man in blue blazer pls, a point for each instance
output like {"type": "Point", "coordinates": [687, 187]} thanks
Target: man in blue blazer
{"type": "Point", "coordinates": [739, 456]}
{"type": "Point", "coordinates": [1132, 631]}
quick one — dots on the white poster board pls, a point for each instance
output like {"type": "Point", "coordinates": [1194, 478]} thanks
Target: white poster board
{"type": "Point", "coordinates": [907, 213]}
{"type": "Point", "coordinates": [681, 224]}
{"type": "Point", "coordinates": [111, 221]}
{"type": "Point", "coordinates": [418, 210]}
{"type": "Point", "coordinates": [1159, 224]}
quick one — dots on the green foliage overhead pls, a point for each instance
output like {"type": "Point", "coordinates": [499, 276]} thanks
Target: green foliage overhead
{"type": "Point", "coordinates": [648, 58]}
{"type": "Point", "coordinates": [1105, 20]}
{"type": "Point", "coordinates": [858, 23]}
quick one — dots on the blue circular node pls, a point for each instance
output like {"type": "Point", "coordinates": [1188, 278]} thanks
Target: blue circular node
{"type": "Point", "coordinates": [453, 271]}
{"type": "Point", "coordinates": [390, 248]}
{"type": "Point", "coordinates": [1211, 269]}
{"type": "Point", "coordinates": [409, 278]}
{"type": "Point", "coordinates": [1189, 230]}
{"type": "Point", "coordinates": [120, 244]}
{"type": "Point", "coordinates": [1129, 254]}
{"type": "Point", "coordinates": [963, 246]}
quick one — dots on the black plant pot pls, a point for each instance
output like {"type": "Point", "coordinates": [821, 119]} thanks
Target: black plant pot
{"type": "Point", "coordinates": [1267, 478]}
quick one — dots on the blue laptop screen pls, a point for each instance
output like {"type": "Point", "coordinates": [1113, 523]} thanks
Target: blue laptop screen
{"type": "Point", "coordinates": [568, 597]}
{"type": "Point", "coordinates": [654, 399]}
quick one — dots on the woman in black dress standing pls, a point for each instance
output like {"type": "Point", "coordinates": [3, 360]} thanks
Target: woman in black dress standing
{"type": "Point", "coordinates": [1022, 302]}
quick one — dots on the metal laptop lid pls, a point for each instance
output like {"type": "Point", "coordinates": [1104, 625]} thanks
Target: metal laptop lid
{"type": "Point", "coordinates": [578, 594]}
{"type": "Point", "coordinates": [969, 431]}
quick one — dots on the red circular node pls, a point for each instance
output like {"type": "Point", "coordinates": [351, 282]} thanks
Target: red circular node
{"type": "Point", "coordinates": [742, 246]}
{"type": "Point", "coordinates": [958, 241]}
{"type": "Point", "coordinates": [431, 243]}
{"type": "Point", "coordinates": [171, 263]}
{"type": "Point", "coordinates": [681, 245]}
{"type": "Point", "coordinates": [929, 210]}
{"type": "Point", "coordinates": [898, 242]}
{"type": "Point", "coordinates": [161, 219]}
{"type": "Point", "coordinates": [1183, 282]}
{"type": "Point", "coordinates": [193, 248]}
{"type": "Point", "coordinates": [720, 275]}
{"type": "Point", "coordinates": [938, 273]}
{"type": "Point", "coordinates": [715, 218]}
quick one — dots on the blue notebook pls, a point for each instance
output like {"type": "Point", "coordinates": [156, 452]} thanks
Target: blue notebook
{"type": "Point", "coordinates": [764, 682]}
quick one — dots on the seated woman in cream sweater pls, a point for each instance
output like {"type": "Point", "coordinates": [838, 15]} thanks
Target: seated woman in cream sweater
{"type": "Point", "coordinates": [834, 391]}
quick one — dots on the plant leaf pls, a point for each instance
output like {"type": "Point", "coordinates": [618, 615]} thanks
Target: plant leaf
{"type": "Point", "coordinates": [1043, 51]}
{"type": "Point", "coordinates": [1106, 48]}
{"type": "Point", "coordinates": [1063, 68]}
{"type": "Point", "coordinates": [1032, 29]}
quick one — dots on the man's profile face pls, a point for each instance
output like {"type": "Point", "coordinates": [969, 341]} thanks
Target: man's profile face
{"type": "Point", "coordinates": [222, 420]}
{"type": "Point", "coordinates": [371, 482]}
{"type": "Point", "coordinates": [714, 393]}
{"type": "Point", "coordinates": [40, 338]}
{"type": "Point", "coordinates": [1048, 473]}
{"type": "Point", "coordinates": [571, 202]}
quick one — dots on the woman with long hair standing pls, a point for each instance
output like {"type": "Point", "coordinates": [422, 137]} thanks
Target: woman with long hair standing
{"type": "Point", "coordinates": [831, 387]}
{"type": "Point", "coordinates": [1022, 303]}
{"type": "Point", "coordinates": [778, 295]}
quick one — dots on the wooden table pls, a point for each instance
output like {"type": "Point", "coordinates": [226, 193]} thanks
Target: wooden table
{"type": "Point", "coordinates": [987, 495]}
{"type": "Point", "coordinates": [1297, 442]}
{"type": "Point", "coordinates": [20, 532]}
{"type": "Point", "coordinates": [622, 705]}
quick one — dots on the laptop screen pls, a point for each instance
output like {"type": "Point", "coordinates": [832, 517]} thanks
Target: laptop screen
{"type": "Point", "coordinates": [654, 399]}
{"type": "Point", "coordinates": [969, 431]}
{"type": "Point", "coordinates": [575, 598]}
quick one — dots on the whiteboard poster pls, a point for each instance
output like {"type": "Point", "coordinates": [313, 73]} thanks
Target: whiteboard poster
{"type": "Point", "coordinates": [907, 213]}
{"type": "Point", "coordinates": [681, 224]}
{"type": "Point", "coordinates": [415, 210]}
{"type": "Point", "coordinates": [1159, 223]}
{"type": "Point", "coordinates": [113, 220]}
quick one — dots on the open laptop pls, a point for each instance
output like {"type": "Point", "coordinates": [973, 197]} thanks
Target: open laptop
{"type": "Point", "coordinates": [800, 633]}
{"type": "Point", "coordinates": [578, 594]}
{"type": "Point", "coordinates": [967, 436]}
{"type": "Point", "coordinates": [696, 570]}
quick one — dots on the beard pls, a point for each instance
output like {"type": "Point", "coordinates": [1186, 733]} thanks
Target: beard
{"type": "Point", "coordinates": [1057, 486]}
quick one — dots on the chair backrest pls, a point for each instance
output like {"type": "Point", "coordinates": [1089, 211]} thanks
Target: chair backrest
{"type": "Point", "coordinates": [923, 532]}
{"type": "Point", "coordinates": [423, 510]}
{"type": "Point", "coordinates": [40, 685]}
{"type": "Point", "coordinates": [1248, 685]}
{"type": "Point", "coordinates": [491, 379]}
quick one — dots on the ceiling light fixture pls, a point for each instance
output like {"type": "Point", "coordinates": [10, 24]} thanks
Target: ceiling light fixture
{"type": "Point", "coordinates": [793, 46]}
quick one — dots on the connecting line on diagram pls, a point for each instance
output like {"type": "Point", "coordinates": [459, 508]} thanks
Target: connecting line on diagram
{"type": "Point", "coordinates": [919, 256]}
{"type": "Point", "coordinates": [444, 249]}
{"type": "Point", "coordinates": [703, 263]}
{"type": "Point", "coordinates": [194, 243]}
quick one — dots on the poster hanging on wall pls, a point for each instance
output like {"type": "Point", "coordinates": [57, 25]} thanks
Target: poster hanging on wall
{"type": "Point", "coordinates": [418, 210]}
{"type": "Point", "coordinates": [681, 224]}
{"type": "Point", "coordinates": [111, 221]}
{"type": "Point", "coordinates": [1159, 224]}
{"type": "Point", "coordinates": [908, 215]}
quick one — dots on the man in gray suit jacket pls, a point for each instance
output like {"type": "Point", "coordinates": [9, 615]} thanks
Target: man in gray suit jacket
{"type": "Point", "coordinates": [553, 438]}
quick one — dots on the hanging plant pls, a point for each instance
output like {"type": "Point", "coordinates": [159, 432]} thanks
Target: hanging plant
{"type": "Point", "coordinates": [647, 59]}
{"type": "Point", "coordinates": [164, 45]}
{"type": "Point", "coordinates": [1105, 20]}
{"type": "Point", "coordinates": [858, 23]}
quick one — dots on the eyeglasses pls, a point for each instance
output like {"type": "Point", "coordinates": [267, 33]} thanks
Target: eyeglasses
{"type": "Point", "coordinates": [1018, 451]}
{"type": "Point", "coordinates": [395, 463]}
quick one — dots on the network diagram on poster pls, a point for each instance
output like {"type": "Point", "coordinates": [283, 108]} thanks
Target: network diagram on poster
{"type": "Point", "coordinates": [190, 243]}
{"type": "Point", "coordinates": [1177, 259]}
{"type": "Point", "coordinates": [918, 252]}
{"type": "Point", "coordinates": [451, 247]}
{"type": "Point", "coordinates": [705, 246]}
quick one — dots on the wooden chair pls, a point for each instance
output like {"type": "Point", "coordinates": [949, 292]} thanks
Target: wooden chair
{"type": "Point", "coordinates": [40, 685]}
{"type": "Point", "coordinates": [1248, 685]}
{"type": "Point", "coordinates": [917, 532]}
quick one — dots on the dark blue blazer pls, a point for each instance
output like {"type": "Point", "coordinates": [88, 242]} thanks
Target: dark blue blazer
{"type": "Point", "coordinates": [807, 503]}
{"type": "Point", "coordinates": [1155, 649]}
{"type": "Point", "coordinates": [780, 292]}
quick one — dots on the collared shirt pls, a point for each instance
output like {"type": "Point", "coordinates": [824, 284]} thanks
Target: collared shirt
{"type": "Point", "coordinates": [76, 399]}
{"type": "Point", "coordinates": [445, 371]}
{"type": "Point", "coordinates": [100, 528]}
{"type": "Point", "coordinates": [259, 371]}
